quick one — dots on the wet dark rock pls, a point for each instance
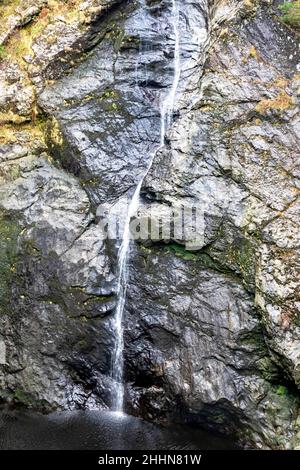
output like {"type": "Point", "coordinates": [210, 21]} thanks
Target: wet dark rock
{"type": "Point", "coordinates": [196, 349]}
{"type": "Point", "coordinates": [212, 334]}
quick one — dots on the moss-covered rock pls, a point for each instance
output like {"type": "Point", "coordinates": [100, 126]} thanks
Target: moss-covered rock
{"type": "Point", "coordinates": [9, 232]}
{"type": "Point", "coordinates": [291, 13]}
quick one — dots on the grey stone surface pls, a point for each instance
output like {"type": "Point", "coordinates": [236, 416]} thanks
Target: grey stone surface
{"type": "Point", "coordinates": [196, 349]}
{"type": "Point", "coordinates": [212, 336]}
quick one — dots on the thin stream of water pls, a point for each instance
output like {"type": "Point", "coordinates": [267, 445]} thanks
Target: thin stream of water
{"type": "Point", "coordinates": [166, 113]}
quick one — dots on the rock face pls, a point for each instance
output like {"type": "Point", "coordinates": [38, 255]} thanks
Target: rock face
{"type": "Point", "coordinates": [211, 335]}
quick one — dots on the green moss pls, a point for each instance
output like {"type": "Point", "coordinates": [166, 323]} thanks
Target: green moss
{"type": "Point", "coordinates": [238, 256]}
{"type": "Point", "coordinates": [245, 257]}
{"type": "Point", "coordinates": [110, 100]}
{"type": "Point", "coordinates": [291, 13]}
{"type": "Point", "coordinates": [9, 231]}
{"type": "Point", "coordinates": [26, 399]}
{"type": "Point", "coordinates": [29, 248]}
{"type": "Point", "coordinates": [53, 131]}
{"type": "Point", "coordinates": [2, 52]}
{"type": "Point", "coordinates": [23, 397]}
{"type": "Point", "coordinates": [81, 345]}
{"type": "Point", "coordinates": [281, 390]}
{"type": "Point", "coordinates": [237, 259]}
{"type": "Point", "coordinates": [209, 263]}
{"type": "Point", "coordinates": [179, 250]}
{"type": "Point", "coordinates": [267, 367]}
{"type": "Point", "coordinates": [130, 42]}
{"type": "Point", "coordinates": [109, 93]}
{"type": "Point", "coordinates": [20, 42]}
{"type": "Point", "coordinates": [98, 298]}
{"type": "Point", "coordinates": [204, 259]}
{"type": "Point", "coordinates": [116, 35]}
{"type": "Point", "coordinates": [81, 296]}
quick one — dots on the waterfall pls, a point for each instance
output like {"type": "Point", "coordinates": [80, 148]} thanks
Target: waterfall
{"type": "Point", "coordinates": [167, 106]}
{"type": "Point", "coordinates": [166, 112]}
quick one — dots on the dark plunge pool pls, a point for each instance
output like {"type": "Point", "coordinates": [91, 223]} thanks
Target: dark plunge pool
{"type": "Point", "coordinates": [98, 430]}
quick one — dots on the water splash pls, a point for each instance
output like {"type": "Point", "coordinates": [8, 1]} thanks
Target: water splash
{"type": "Point", "coordinates": [166, 115]}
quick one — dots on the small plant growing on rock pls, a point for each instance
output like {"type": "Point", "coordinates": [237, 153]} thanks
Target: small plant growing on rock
{"type": "Point", "coordinates": [281, 390]}
{"type": "Point", "coordinates": [2, 52]}
{"type": "Point", "coordinates": [291, 11]}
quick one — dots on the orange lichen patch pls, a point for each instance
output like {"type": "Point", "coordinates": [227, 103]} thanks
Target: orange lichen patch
{"type": "Point", "coordinates": [253, 53]}
{"type": "Point", "coordinates": [282, 102]}
{"type": "Point", "coordinates": [286, 319]}
{"type": "Point", "coordinates": [249, 3]}
{"type": "Point", "coordinates": [44, 12]}
{"type": "Point", "coordinates": [224, 32]}
{"type": "Point", "coordinates": [281, 82]}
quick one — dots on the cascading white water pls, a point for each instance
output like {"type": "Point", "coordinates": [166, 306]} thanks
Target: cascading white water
{"type": "Point", "coordinates": [167, 106]}
{"type": "Point", "coordinates": [117, 366]}
{"type": "Point", "coordinates": [166, 112]}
